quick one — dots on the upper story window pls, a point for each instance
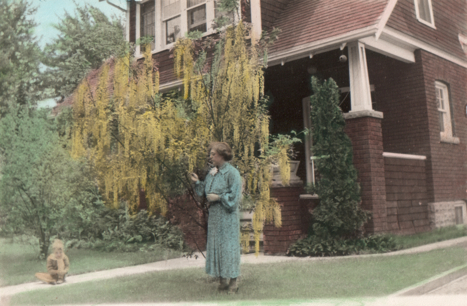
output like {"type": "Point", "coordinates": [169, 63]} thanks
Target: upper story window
{"type": "Point", "coordinates": [148, 22]}
{"type": "Point", "coordinates": [168, 20]}
{"type": "Point", "coordinates": [463, 42]}
{"type": "Point", "coordinates": [197, 15]}
{"type": "Point", "coordinates": [424, 12]}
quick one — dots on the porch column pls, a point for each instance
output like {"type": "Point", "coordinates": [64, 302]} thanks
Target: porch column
{"type": "Point", "coordinates": [138, 28]}
{"type": "Point", "coordinates": [360, 95]}
{"type": "Point", "coordinates": [363, 126]}
{"type": "Point", "coordinates": [255, 8]}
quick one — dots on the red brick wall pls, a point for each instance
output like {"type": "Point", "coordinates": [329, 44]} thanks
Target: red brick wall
{"type": "Point", "coordinates": [405, 93]}
{"type": "Point", "coordinates": [400, 95]}
{"type": "Point", "coordinates": [450, 19]}
{"type": "Point", "coordinates": [448, 162]}
{"type": "Point", "coordinates": [294, 221]}
{"type": "Point", "coordinates": [184, 213]}
{"type": "Point", "coordinates": [406, 195]}
{"type": "Point", "coordinates": [366, 136]}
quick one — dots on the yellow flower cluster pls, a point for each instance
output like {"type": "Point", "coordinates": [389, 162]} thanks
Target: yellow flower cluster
{"type": "Point", "coordinates": [132, 134]}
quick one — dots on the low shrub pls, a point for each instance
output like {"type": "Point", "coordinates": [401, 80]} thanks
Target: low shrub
{"type": "Point", "coordinates": [117, 230]}
{"type": "Point", "coordinates": [317, 246]}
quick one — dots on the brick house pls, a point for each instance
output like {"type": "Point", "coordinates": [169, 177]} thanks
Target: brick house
{"type": "Point", "coordinates": [401, 66]}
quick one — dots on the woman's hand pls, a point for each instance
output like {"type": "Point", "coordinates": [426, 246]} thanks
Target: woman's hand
{"type": "Point", "coordinates": [213, 197]}
{"type": "Point", "coordinates": [194, 177]}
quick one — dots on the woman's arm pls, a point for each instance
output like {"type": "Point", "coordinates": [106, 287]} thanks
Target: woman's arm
{"type": "Point", "coordinates": [199, 188]}
{"type": "Point", "coordinates": [230, 198]}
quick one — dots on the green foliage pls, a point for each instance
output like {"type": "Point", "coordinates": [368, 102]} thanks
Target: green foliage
{"type": "Point", "coordinates": [116, 229]}
{"type": "Point", "coordinates": [339, 214]}
{"type": "Point", "coordinates": [319, 246]}
{"type": "Point", "coordinates": [338, 218]}
{"type": "Point", "coordinates": [41, 188]}
{"type": "Point", "coordinates": [19, 55]}
{"type": "Point", "coordinates": [87, 38]}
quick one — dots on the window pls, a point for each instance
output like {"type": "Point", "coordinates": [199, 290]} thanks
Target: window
{"type": "Point", "coordinates": [197, 16]}
{"type": "Point", "coordinates": [168, 20]}
{"type": "Point", "coordinates": [459, 214]}
{"type": "Point", "coordinates": [444, 111]}
{"type": "Point", "coordinates": [424, 12]}
{"type": "Point", "coordinates": [172, 20]}
{"type": "Point", "coordinates": [463, 42]}
{"type": "Point", "coordinates": [148, 21]}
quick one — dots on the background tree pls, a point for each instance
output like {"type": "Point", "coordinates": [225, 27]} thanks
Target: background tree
{"type": "Point", "coordinates": [41, 187]}
{"type": "Point", "coordinates": [86, 39]}
{"type": "Point", "coordinates": [20, 55]}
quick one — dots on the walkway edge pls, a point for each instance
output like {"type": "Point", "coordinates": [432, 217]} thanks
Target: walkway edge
{"type": "Point", "coordinates": [434, 282]}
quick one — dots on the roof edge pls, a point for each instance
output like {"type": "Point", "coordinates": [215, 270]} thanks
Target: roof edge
{"type": "Point", "coordinates": [320, 46]}
{"type": "Point", "coordinates": [385, 17]}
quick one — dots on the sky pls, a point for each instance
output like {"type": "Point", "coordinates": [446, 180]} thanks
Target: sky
{"type": "Point", "coordinates": [49, 12]}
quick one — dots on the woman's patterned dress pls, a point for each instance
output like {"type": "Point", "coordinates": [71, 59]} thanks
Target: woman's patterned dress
{"type": "Point", "coordinates": [223, 245]}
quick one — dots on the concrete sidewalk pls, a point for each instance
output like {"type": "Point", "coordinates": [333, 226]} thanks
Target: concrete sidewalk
{"type": "Point", "coordinates": [185, 263]}
{"type": "Point", "coordinates": [453, 300]}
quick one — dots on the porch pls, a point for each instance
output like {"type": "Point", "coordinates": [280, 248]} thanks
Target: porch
{"type": "Point", "coordinates": [397, 205]}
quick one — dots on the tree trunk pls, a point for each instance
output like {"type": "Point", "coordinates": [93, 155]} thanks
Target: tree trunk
{"type": "Point", "coordinates": [43, 244]}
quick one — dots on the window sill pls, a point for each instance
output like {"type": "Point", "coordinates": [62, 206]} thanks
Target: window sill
{"type": "Point", "coordinates": [431, 25]}
{"type": "Point", "coordinates": [211, 31]}
{"type": "Point", "coordinates": [308, 196]}
{"type": "Point", "coordinates": [450, 139]}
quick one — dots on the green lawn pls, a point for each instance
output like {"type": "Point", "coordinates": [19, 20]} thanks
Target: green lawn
{"type": "Point", "coordinates": [19, 262]}
{"type": "Point", "coordinates": [446, 233]}
{"type": "Point", "coordinates": [339, 278]}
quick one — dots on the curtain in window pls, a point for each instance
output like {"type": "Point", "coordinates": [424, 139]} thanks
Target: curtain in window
{"type": "Point", "coordinates": [197, 19]}
{"type": "Point", "coordinates": [148, 21]}
{"type": "Point", "coordinates": [441, 108]}
{"type": "Point", "coordinates": [424, 10]}
{"type": "Point", "coordinates": [171, 8]}
{"type": "Point", "coordinates": [173, 29]}
{"type": "Point", "coordinates": [191, 3]}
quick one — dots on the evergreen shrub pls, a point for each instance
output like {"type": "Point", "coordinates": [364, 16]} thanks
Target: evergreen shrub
{"type": "Point", "coordinates": [338, 220]}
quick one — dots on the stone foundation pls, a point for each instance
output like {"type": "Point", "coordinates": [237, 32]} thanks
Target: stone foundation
{"type": "Point", "coordinates": [443, 214]}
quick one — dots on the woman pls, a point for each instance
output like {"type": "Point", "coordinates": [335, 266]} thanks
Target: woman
{"type": "Point", "coordinates": [222, 187]}
{"type": "Point", "coordinates": [57, 265]}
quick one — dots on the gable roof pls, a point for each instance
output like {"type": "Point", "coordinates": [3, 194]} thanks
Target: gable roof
{"type": "Point", "coordinates": [310, 24]}
{"type": "Point", "coordinates": [450, 18]}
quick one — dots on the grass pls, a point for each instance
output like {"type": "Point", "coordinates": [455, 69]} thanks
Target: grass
{"type": "Point", "coordinates": [442, 234]}
{"type": "Point", "coordinates": [339, 278]}
{"type": "Point", "coordinates": [19, 262]}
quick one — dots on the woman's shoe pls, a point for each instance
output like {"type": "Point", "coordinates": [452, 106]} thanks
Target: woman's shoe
{"type": "Point", "coordinates": [223, 285]}
{"type": "Point", "coordinates": [233, 286]}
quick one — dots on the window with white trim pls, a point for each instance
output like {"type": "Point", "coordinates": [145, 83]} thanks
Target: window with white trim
{"type": "Point", "coordinates": [444, 110]}
{"type": "Point", "coordinates": [424, 12]}
{"type": "Point", "coordinates": [168, 20]}
{"type": "Point", "coordinates": [463, 42]}
{"type": "Point", "coordinates": [148, 22]}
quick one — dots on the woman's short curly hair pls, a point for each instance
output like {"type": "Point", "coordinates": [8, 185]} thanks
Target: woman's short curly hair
{"type": "Point", "coordinates": [222, 148]}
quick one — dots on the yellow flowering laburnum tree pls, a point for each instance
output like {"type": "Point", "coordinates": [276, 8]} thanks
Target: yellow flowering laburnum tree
{"type": "Point", "coordinates": [137, 138]}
